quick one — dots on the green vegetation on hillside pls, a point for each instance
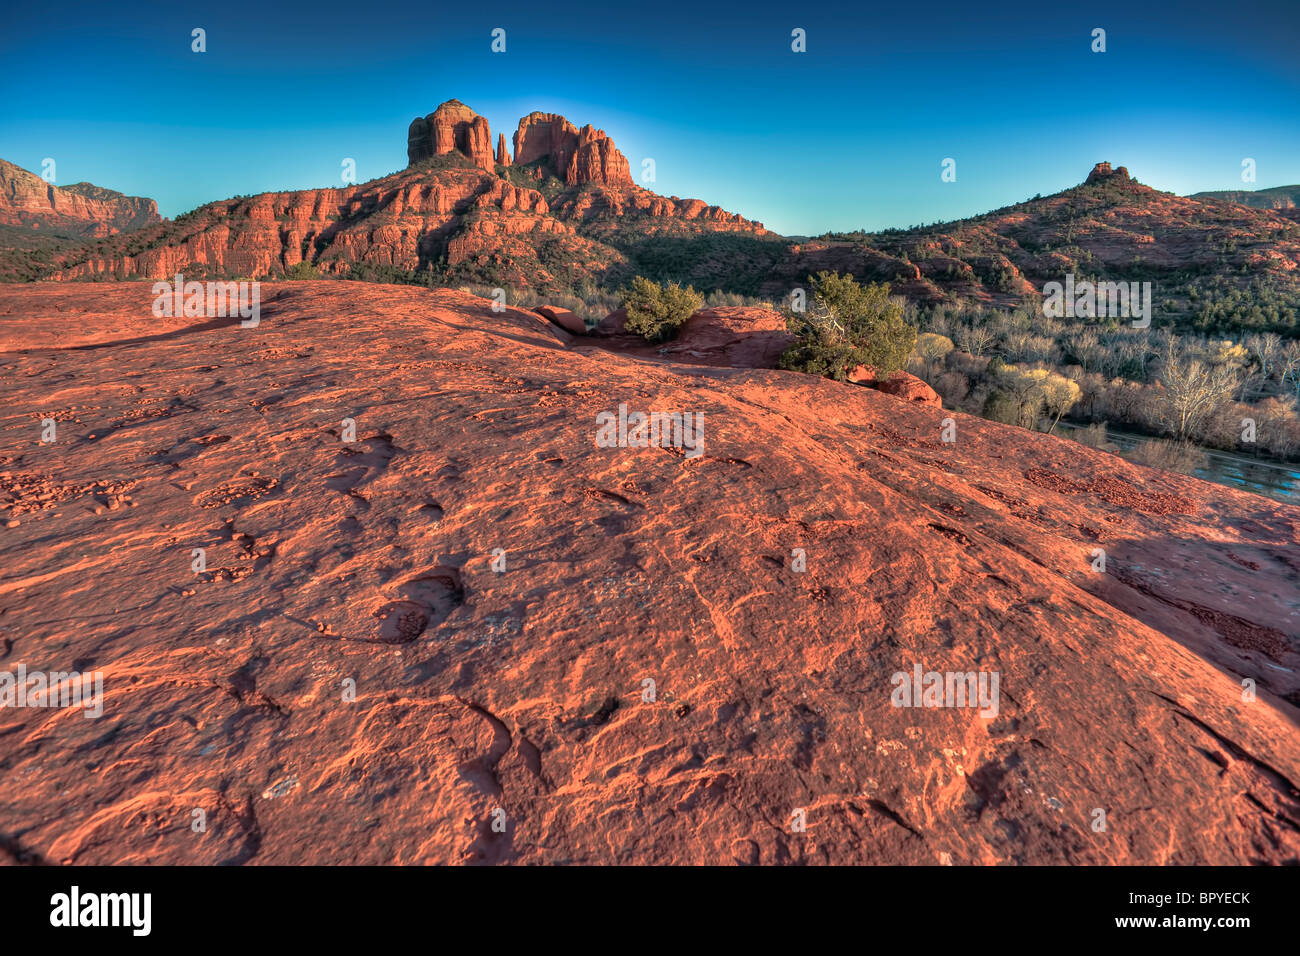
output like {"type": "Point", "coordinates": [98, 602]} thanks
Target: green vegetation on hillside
{"type": "Point", "coordinates": [536, 175]}
{"type": "Point", "coordinates": [723, 261]}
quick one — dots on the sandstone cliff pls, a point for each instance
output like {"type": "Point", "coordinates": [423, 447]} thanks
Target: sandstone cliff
{"type": "Point", "coordinates": [81, 209]}
{"type": "Point", "coordinates": [452, 126]}
{"type": "Point", "coordinates": [576, 156]}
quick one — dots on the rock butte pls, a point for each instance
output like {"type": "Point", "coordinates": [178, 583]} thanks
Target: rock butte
{"type": "Point", "coordinates": [452, 126]}
{"type": "Point", "coordinates": [577, 156]}
{"type": "Point", "coordinates": [523, 690]}
{"type": "Point", "coordinates": [1102, 172]}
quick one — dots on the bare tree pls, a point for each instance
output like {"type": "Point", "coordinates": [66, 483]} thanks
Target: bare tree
{"type": "Point", "coordinates": [975, 339]}
{"type": "Point", "coordinates": [1085, 348]}
{"type": "Point", "coordinates": [1022, 346]}
{"type": "Point", "coordinates": [1288, 365]}
{"type": "Point", "coordinates": [1192, 389]}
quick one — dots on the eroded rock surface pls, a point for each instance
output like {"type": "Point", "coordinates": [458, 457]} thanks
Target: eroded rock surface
{"type": "Point", "coordinates": [499, 590]}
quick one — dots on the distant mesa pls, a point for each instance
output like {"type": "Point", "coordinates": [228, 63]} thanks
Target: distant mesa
{"type": "Point", "coordinates": [576, 156]}
{"type": "Point", "coordinates": [78, 210]}
{"type": "Point", "coordinates": [1284, 199]}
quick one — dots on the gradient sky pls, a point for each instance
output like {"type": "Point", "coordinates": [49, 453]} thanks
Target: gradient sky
{"type": "Point", "coordinates": [848, 135]}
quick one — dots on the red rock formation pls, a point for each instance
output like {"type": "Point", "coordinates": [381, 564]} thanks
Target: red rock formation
{"type": "Point", "coordinates": [369, 565]}
{"type": "Point", "coordinates": [452, 126]}
{"type": "Point", "coordinates": [545, 134]}
{"type": "Point", "coordinates": [502, 157]}
{"type": "Point", "coordinates": [903, 385]}
{"type": "Point", "coordinates": [592, 205]}
{"type": "Point", "coordinates": [747, 337]}
{"type": "Point", "coordinates": [404, 220]}
{"type": "Point", "coordinates": [576, 156]}
{"type": "Point", "coordinates": [1088, 229]}
{"type": "Point", "coordinates": [478, 143]}
{"type": "Point", "coordinates": [418, 216]}
{"type": "Point", "coordinates": [1102, 172]}
{"type": "Point", "coordinates": [81, 209]}
{"type": "Point", "coordinates": [736, 336]}
{"type": "Point", "coordinates": [596, 160]}
{"type": "Point", "coordinates": [397, 221]}
{"type": "Point", "coordinates": [613, 324]}
{"type": "Point", "coordinates": [909, 388]}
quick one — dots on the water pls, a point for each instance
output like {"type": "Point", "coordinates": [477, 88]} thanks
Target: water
{"type": "Point", "coordinates": [1275, 480]}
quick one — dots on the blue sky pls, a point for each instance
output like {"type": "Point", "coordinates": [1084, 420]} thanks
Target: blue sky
{"type": "Point", "coordinates": [850, 134]}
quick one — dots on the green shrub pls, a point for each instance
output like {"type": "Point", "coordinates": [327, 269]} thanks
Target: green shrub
{"type": "Point", "coordinates": [302, 270]}
{"type": "Point", "coordinates": [828, 359]}
{"type": "Point", "coordinates": [848, 324]}
{"type": "Point", "coordinates": [1004, 408]}
{"type": "Point", "coordinates": [655, 311]}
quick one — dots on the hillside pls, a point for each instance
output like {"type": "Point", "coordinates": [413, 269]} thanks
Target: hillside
{"type": "Point", "coordinates": [1212, 265]}
{"type": "Point", "coordinates": [525, 688]}
{"type": "Point", "coordinates": [1274, 197]}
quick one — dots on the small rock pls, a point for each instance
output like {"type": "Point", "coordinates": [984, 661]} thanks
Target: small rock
{"type": "Point", "coordinates": [564, 318]}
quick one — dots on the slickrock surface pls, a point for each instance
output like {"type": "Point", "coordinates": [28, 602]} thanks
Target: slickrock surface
{"type": "Point", "coordinates": [900, 384]}
{"type": "Point", "coordinates": [734, 336]}
{"type": "Point", "coordinates": [740, 336]}
{"type": "Point", "coordinates": [744, 337]}
{"type": "Point", "coordinates": [372, 561]}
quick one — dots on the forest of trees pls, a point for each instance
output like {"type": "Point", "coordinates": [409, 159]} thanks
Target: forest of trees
{"type": "Point", "coordinates": [1238, 394]}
